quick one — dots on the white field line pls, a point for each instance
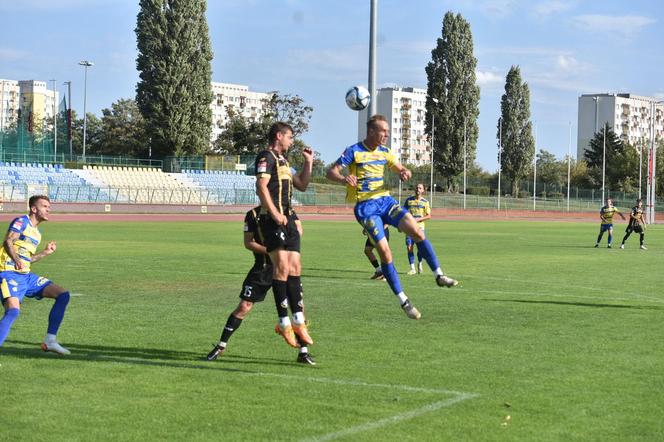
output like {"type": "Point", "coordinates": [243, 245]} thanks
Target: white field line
{"type": "Point", "coordinates": [392, 419]}
{"type": "Point", "coordinates": [457, 396]}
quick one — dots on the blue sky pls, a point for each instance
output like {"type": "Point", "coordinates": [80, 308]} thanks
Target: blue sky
{"type": "Point", "coordinates": [317, 49]}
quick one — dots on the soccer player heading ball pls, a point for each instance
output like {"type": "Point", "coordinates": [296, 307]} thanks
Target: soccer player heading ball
{"type": "Point", "coordinates": [274, 186]}
{"type": "Point", "coordinates": [374, 206]}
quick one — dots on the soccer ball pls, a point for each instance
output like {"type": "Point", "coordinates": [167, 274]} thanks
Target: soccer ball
{"type": "Point", "coordinates": [357, 98]}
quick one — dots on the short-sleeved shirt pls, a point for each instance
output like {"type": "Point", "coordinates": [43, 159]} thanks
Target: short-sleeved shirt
{"type": "Point", "coordinates": [369, 168]}
{"type": "Point", "coordinates": [25, 246]}
{"type": "Point", "coordinates": [636, 216]}
{"type": "Point", "coordinates": [607, 214]}
{"type": "Point", "coordinates": [274, 166]}
{"type": "Point", "coordinates": [251, 226]}
{"type": "Point", "coordinates": [418, 207]}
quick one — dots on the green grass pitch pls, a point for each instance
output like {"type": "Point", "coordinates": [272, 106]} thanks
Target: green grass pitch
{"type": "Point", "coordinates": [546, 339]}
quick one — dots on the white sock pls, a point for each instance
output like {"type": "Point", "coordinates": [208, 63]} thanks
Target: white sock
{"type": "Point", "coordinates": [50, 338]}
{"type": "Point", "coordinates": [222, 344]}
{"type": "Point", "coordinates": [284, 322]}
{"type": "Point", "coordinates": [402, 298]}
{"type": "Point", "coordinates": [298, 318]}
{"type": "Point", "coordinates": [439, 272]}
{"type": "Point", "coordinates": [412, 266]}
{"type": "Point", "coordinates": [304, 350]}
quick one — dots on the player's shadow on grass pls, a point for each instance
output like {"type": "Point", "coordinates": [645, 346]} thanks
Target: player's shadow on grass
{"type": "Point", "coordinates": [143, 356]}
{"type": "Point", "coordinates": [581, 304]}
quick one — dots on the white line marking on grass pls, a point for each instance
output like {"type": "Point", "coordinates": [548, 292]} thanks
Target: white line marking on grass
{"type": "Point", "coordinates": [77, 294]}
{"type": "Point", "coordinates": [393, 419]}
{"type": "Point", "coordinates": [458, 396]}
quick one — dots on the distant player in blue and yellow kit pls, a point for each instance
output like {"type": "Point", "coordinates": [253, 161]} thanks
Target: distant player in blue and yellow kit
{"type": "Point", "coordinates": [419, 207]}
{"type": "Point", "coordinates": [374, 207]}
{"type": "Point", "coordinates": [606, 214]}
{"type": "Point", "coordinates": [19, 251]}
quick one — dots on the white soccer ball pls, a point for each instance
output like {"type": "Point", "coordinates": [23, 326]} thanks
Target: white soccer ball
{"type": "Point", "coordinates": [358, 98]}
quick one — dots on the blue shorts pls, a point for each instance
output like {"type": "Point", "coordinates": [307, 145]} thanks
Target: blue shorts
{"type": "Point", "coordinates": [373, 214]}
{"type": "Point", "coordinates": [19, 285]}
{"type": "Point", "coordinates": [605, 227]}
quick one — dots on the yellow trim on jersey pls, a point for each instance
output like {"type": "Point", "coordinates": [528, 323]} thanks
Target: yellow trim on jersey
{"type": "Point", "coordinates": [4, 288]}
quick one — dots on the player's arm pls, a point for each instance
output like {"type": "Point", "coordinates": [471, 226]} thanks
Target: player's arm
{"type": "Point", "coordinates": [251, 244]}
{"type": "Point", "coordinates": [48, 250]}
{"type": "Point", "coordinates": [266, 201]}
{"type": "Point", "coordinates": [404, 173]}
{"type": "Point", "coordinates": [424, 218]}
{"type": "Point", "coordinates": [334, 174]}
{"type": "Point", "coordinates": [298, 226]}
{"type": "Point", "coordinates": [302, 179]}
{"type": "Point", "coordinates": [8, 244]}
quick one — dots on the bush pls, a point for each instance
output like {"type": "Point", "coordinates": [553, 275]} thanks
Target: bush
{"type": "Point", "coordinates": [478, 190]}
{"type": "Point", "coordinates": [524, 194]}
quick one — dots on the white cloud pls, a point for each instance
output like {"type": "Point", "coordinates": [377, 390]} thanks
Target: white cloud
{"type": "Point", "coordinates": [497, 8]}
{"type": "Point", "coordinates": [567, 63]}
{"type": "Point", "coordinates": [551, 7]}
{"type": "Point", "coordinates": [489, 79]}
{"type": "Point", "coordinates": [11, 54]}
{"type": "Point", "coordinates": [624, 25]}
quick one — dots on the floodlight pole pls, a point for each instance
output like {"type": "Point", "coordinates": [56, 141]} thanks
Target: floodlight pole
{"type": "Point", "coordinates": [86, 64]}
{"type": "Point", "coordinates": [55, 118]}
{"type": "Point", "coordinates": [372, 58]}
{"type": "Point", "coordinates": [433, 132]}
{"type": "Point", "coordinates": [68, 110]}
{"type": "Point", "coordinates": [535, 171]}
{"type": "Point", "coordinates": [500, 153]}
{"type": "Point", "coordinates": [464, 164]}
{"type": "Point", "coordinates": [569, 162]}
{"type": "Point", "coordinates": [603, 164]}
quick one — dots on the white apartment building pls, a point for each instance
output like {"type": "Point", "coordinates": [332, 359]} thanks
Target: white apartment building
{"type": "Point", "coordinates": [28, 96]}
{"type": "Point", "coordinates": [237, 98]}
{"type": "Point", "coordinates": [404, 108]}
{"type": "Point", "coordinates": [9, 102]}
{"type": "Point", "coordinates": [630, 116]}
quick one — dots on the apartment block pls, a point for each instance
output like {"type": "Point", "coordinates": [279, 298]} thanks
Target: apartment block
{"type": "Point", "coordinates": [235, 98]}
{"type": "Point", "coordinates": [404, 108]}
{"type": "Point", "coordinates": [635, 119]}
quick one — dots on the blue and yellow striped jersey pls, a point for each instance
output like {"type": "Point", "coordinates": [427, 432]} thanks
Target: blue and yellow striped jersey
{"type": "Point", "coordinates": [418, 207]}
{"type": "Point", "coordinates": [606, 213]}
{"type": "Point", "coordinates": [369, 168]}
{"type": "Point", "coordinates": [25, 246]}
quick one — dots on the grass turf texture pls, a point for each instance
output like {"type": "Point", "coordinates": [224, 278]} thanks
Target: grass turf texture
{"type": "Point", "coordinates": [563, 338]}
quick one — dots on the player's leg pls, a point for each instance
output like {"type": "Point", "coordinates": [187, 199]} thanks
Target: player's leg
{"type": "Point", "coordinates": [280, 265]}
{"type": "Point", "coordinates": [610, 238]}
{"type": "Point", "coordinates": [12, 307]}
{"type": "Point", "coordinates": [601, 234]}
{"type": "Point", "coordinates": [232, 324]}
{"type": "Point", "coordinates": [295, 298]}
{"type": "Point", "coordinates": [642, 236]}
{"type": "Point", "coordinates": [408, 225]}
{"type": "Point", "coordinates": [61, 297]}
{"type": "Point", "coordinates": [368, 252]}
{"type": "Point", "coordinates": [411, 255]}
{"type": "Point", "coordinates": [628, 232]}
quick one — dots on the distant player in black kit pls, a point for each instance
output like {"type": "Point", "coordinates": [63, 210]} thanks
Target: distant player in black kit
{"type": "Point", "coordinates": [274, 187]}
{"type": "Point", "coordinates": [636, 224]}
{"type": "Point", "coordinates": [255, 286]}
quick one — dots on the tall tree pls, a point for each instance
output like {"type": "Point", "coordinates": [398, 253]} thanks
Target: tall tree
{"type": "Point", "coordinates": [515, 128]}
{"type": "Point", "coordinates": [621, 163]}
{"type": "Point", "coordinates": [242, 136]}
{"type": "Point", "coordinates": [451, 81]}
{"type": "Point", "coordinates": [174, 92]}
{"type": "Point", "coordinates": [123, 130]}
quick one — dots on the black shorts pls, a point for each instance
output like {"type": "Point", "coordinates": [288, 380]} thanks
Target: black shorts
{"type": "Point", "coordinates": [257, 283]}
{"type": "Point", "coordinates": [280, 237]}
{"type": "Point", "coordinates": [638, 228]}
